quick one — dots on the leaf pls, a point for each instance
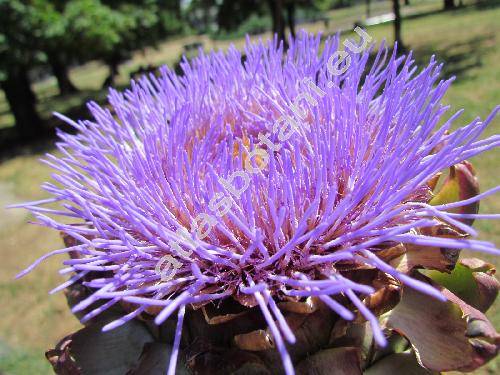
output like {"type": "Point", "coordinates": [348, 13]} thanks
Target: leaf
{"type": "Point", "coordinates": [252, 368]}
{"type": "Point", "coordinates": [340, 361]}
{"type": "Point", "coordinates": [446, 336]}
{"type": "Point", "coordinates": [459, 281]}
{"type": "Point", "coordinates": [386, 296]}
{"type": "Point", "coordinates": [359, 335]}
{"type": "Point", "coordinates": [221, 334]}
{"type": "Point", "coordinates": [206, 359]}
{"type": "Point", "coordinates": [226, 311]}
{"type": "Point", "coordinates": [433, 181]}
{"type": "Point", "coordinates": [77, 292]}
{"type": "Point", "coordinates": [61, 360]}
{"type": "Point", "coordinates": [114, 352]}
{"type": "Point", "coordinates": [154, 360]}
{"type": "Point", "coordinates": [429, 257]}
{"type": "Point", "coordinates": [478, 265]}
{"type": "Point", "coordinates": [254, 341]}
{"type": "Point", "coordinates": [488, 287]}
{"type": "Point", "coordinates": [395, 344]}
{"type": "Point", "coordinates": [312, 331]}
{"type": "Point", "coordinates": [398, 363]}
{"type": "Point", "coordinates": [472, 280]}
{"type": "Point", "coordinates": [309, 306]}
{"type": "Point", "coordinates": [461, 184]}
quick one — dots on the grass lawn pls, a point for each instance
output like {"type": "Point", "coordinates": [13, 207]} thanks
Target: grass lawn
{"type": "Point", "coordinates": [466, 39]}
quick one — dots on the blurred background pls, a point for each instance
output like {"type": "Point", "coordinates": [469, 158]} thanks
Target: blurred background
{"type": "Point", "coordinates": [57, 55]}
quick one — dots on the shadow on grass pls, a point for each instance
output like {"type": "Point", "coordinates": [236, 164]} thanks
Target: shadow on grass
{"type": "Point", "coordinates": [458, 58]}
{"type": "Point", "coordinates": [73, 106]}
{"type": "Point", "coordinates": [487, 4]}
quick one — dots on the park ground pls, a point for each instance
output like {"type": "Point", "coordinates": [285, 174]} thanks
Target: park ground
{"type": "Point", "coordinates": [467, 40]}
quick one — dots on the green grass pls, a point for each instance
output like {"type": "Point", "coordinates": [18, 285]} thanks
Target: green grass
{"type": "Point", "coordinates": [467, 40]}
{"type": "Point", "coordinates": [20, 361]}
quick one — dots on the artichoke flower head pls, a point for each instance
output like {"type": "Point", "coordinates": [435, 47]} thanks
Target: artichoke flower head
{"type": "Point", "coordinates": [260, 214]}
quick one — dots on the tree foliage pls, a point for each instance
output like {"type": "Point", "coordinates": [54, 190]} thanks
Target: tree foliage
{"type": "Point", "coordinates": [58, 33]}
{"type": "Point", "coordinates": [17, 28]}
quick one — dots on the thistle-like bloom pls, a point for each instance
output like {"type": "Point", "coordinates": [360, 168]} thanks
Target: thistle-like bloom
{"type": "Point", "coordinates": [264, 178]}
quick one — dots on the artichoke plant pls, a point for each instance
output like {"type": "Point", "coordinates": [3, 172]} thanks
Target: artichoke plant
{"type": "Point", "coordinates": [265, 213]}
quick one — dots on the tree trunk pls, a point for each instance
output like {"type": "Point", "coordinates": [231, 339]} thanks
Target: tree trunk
{"type": "Point", "coordinates": [176, 7]}
{"type": "Point", "coordinates": [449, 4]}
{"type": "Point", "coordinates": [397, 23]}
{"type": "Point", "coordinates": [206, 15]}
{"type": "Point", "coordinates": [276, 7]}
{"type": "Point", "coordinates": [113, 64]}
{"type": "Point", "coordinates": [60, 71]}
{"type": "Point", "coordinates": [290, 11]}
{"type": "Point", "coordinates": [407, 2]}
{"type": "Point", "coordinates": [22, 102]}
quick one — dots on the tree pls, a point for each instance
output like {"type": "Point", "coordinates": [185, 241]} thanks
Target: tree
{"type": "Point", "coordinates": [397, 23]}
{"type": "Point", "coordinates": [97, 32]}
{"type": "Point", "coordinates": [59, 66]}
{"type": "Point", "coordinates": [276, 7]}
{"type": "Point", "coordinates": [231, 14]}
{"type": "Point", "coordinates": [290, 11]}
{"type": "Point", "coordinates": [58, 32]}
{"type": "Point", "coordinates": [108, 30]}
{"type": "Point", "coordinates": [17, 55]}
{"type": "Point", "coordinates": [449, 4]}
{"type": "Point", "coordinates": [111, 29]}
{"type": "Point", "coordinates": [54, 40]}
